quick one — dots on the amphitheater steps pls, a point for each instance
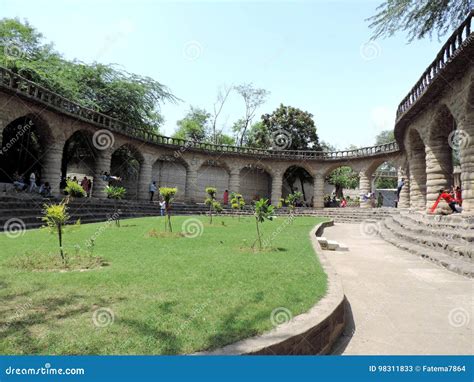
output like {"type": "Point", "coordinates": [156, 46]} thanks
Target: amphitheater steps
{"type": "Point", "coordinates": [446, 241]}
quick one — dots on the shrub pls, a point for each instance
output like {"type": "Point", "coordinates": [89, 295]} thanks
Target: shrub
{"type": "Point", "coordinates": [237, 202]}
{"type": "Point", "coordinates": [262, 211]}
{"type": "Point", "coordinates": [75, 190]}
{"type": "Point", "coordinates": [56, 217]}
{"type": "Point", "coordinates": [116, 193]}
{"type": "Point", "coordinates": [211, 201]}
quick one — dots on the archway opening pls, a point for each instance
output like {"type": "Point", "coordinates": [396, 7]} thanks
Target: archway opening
{"type": "Point", "coordinates": [384, 184]}
{"type": "Point", "coordinates": [295, 179]}
{"type": "Point", "coordinates": [78, 163]}
{"type": "Point", "coordinates": [125, 169]}
{"type": "Point", "coordinates": [24, 142]}
{"type": "Point", "coordinates": [170, 172]}
{"type": "Point", "coordinates": [212, 174]}
{"type": "Point", "coordinates": [255, 183]}
{"type": "Point", "coordinates": [341, 183]}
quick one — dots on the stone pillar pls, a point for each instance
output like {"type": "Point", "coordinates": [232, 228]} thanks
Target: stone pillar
{"type": "Point", "coordinates": [51, 166]}
{"type": "Point", "coordinates": [277, 184]}
{"type": "Point", "coordinates": [102, 165]}
{"type": "Point", "coordinates": [364, 189]}
{"type": "Point", "coordinates": [439, 169]}
{"type": "Point", "coordinates": [318, 191]}
{"type": "Point", "coordinates": [191, 184]}
{"type": "Point", "coordinates": [144, 178]}
{"type": "Point", "coordinates": [404, 200]}
{"type": "Point", "coordinates": [234, 180]}
{"type": "Point", "coordinates": [417, 172]}
{"type": "Point", "coordinates": [466, 128]}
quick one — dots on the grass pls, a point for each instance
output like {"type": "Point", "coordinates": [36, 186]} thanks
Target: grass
{"type": "Point", "coordinates": [159, 293]}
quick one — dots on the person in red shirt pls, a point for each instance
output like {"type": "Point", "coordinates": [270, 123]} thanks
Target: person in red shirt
{"type": "Point", "coordinates": [458, 194]}
{"type": "Point", "coordinates": [444, 194]}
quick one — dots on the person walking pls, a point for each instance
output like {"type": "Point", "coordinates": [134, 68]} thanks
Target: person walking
{"type": "Point", "coordinates": [400, 185]}
{"type": "Point", "coordinates": [153, 189]}
{"type": "Point", "coordinates": [162, 207]}
{"type": "Point", "coordinates": [85, 185]}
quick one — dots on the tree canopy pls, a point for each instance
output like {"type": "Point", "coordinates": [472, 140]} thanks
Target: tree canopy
{"type": "Point", "coordinates": [132, 98]}
{"type": "Point", "coordinates": [419, 18]}
{"type": "Point", "coordinates": [296, 127]}
{"type": "Point", "coordinates": [385, 136]}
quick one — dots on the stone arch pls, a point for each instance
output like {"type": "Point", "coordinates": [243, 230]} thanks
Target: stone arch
{"type": "Point", "coordinates": [125, 165]}
{"type": "Point", "coordinates": [415, 147]}
{"type": "Point", "coordinates": [329, 188]}
{"type": "Point", "coordinates": [296, 177]}
{"type": "Point", "coordinates": [255, 182]}
{"type": "Point", "coordinates": [383, 176]}
{"type": "Point", "coordinates": [467, 153]}
{"type": "Point", "coordinates": [25, 141]}
{"type": "Point", "coordinates": [212, 173]}
{"type": "Point", "coordinates": [171, 171]}
{"type": "Point", "coordinates": [79, 158]}
{"type": "Point", "coordinates": [441, 153]}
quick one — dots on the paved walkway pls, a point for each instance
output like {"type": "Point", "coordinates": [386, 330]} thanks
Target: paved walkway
{"type": "Point", "coordinates": [400, 303]}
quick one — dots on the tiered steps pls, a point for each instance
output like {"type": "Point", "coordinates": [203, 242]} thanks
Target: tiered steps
{"type": "Point", "coordinates": [446, 240]}
{"type": "Point", "coordinates": [28, 208]}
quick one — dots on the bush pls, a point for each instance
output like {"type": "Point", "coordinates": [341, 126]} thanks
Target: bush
{"type": "Point", "coordinates": [75, 190]}
{"type": "Point", "coordinates": [168, 194]}
{"type": "Point", "coordinates": [115, 192]}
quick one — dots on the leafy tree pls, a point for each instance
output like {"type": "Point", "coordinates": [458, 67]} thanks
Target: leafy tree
{"type": "Point", "coordinates": [237, 202]}
{"type": "Point", "coordinates": [116, 193]}
{"type": "Point", "coordinates": [343, 177]}
{"type": "Point", "coordinates": [385, 136]}
{"type": "Point", "coordinates": [292, 199]}
{"type": "Point", "coordinates": [224, 139]}
{"type": "Point", "coordinates": [56, 217]}
{"type": "Point", "coordinates": [298, 126]}
{"type": "Point", "coordinates": [129, 97]}
{"type": "Point", "coordinates": [168, 194]}
{"type": "Point", "coordinates": [258, 136]}
{"type": "Point", "coordinates": [262, 211]}
{"type": "Point", "coordinates": [253, 99]}
{"type": "Point", "coordinates": [295, 173]}
{"type": "Point", "coordinates": [327, 147]}
{"type": "Point", "coordinates": [383, 182]}
{"type": "Point", "coordinates": [418, 17]}
{"type": "Point", "coordinates": [194, 126]}
{"type": "Point", "coordinates": [74, 189]}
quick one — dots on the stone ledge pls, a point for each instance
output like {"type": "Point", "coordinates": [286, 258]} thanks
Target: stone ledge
{"type": "Point", "coordinates": [313, 332]}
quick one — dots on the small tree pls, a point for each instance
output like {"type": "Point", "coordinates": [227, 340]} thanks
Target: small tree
{"type": "Point", "coordinates": [116, 193]}
{"type": "Point", "coordinates": [292, 200]}
{"type": "Point", "coordinates": [168, 194]}
{"type": "Point", "coordinates": [211, 200]}
{"type": "Point", "coordinates": [56, 217]}
{"type": "Point", "coordinates": [75, 190]}
{"type": "Point", "coordinates": [237, 202]}
{"type": "Point", "coordinates": [263, 211]}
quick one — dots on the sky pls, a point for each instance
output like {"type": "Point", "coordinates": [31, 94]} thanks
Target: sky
{"type": "Point", "coordinates": [314, 55]}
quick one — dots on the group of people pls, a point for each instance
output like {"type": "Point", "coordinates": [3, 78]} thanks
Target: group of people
{"type": "Point", "coordinates": [32, 185]}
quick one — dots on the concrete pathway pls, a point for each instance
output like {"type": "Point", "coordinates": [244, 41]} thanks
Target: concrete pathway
{"type": "Point", "coordinates": [400, 303]}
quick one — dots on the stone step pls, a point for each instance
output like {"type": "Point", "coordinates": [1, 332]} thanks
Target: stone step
{"type": "Point", "coordinates": [454, 248]}
{"type": "Point", "coordinates": [457, 265]}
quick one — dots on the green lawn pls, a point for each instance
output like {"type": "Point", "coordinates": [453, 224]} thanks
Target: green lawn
{"type": "Point", "coordinates": [168, 295]}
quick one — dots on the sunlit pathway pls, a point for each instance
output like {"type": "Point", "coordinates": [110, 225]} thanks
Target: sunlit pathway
{"type": "Point", "coordinates": [400, 303]}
